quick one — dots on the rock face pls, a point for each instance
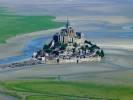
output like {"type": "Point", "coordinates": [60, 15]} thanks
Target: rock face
{"type": "Point", "coordinates": [69, 46]}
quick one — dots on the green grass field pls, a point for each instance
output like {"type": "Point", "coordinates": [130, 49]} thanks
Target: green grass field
{"type": "Point", "coordinates": [12, 25]}
{"type": "Point", "coordinates": [61, 90]}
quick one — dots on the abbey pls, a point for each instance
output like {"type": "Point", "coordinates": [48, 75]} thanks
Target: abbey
{"type": "Point", "coordinates": [68, 46]}
{"type": "Point", "coordinates": [68, 35]}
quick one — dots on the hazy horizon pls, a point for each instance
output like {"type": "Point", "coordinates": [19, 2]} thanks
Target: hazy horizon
{"type": "Point", "coordinates": [94, 7]}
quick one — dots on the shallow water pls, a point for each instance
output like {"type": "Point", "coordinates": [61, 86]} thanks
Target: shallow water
{"type": "Point", "coordinates": [27, 52]}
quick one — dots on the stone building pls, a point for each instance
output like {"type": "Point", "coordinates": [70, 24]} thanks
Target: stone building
{"type": "Point", "coordinates": [68, 35]}
{"type": "Point", "coordinates": [68, 46]}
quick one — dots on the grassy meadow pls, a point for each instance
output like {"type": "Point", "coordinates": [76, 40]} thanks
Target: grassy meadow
{"type": "Point", "coordinates": [62, 90]}
{"type": "Point", "coordinates": [12, 25]}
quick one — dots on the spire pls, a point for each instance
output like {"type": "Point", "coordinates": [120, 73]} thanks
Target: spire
{"type": "Point", "coordinates": [67, 24]}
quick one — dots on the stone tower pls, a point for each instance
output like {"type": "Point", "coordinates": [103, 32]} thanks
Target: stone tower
{"type": "Point", "coordinates": [66, 34]}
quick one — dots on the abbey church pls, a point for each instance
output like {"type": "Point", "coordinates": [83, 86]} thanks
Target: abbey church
{"type": "Point", "coordinates": [68, 35]}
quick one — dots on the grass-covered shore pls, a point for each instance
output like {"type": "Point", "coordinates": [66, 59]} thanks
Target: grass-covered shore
{"type": "Point", "coordinates": [12, 25]}
{"type": "Point", "coordinates": [61, 90]}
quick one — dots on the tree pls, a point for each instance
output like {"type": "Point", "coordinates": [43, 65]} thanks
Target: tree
{"type": "Point", "coordinates": [98, 53]}
{"type": "Point", "coordinates": [91, 49]}
{"type": "Point", "coordinates": [102, 53]}
{"type": "Point", "coordinates": [63, 46]}
{"type": "Point", "coordinates": [48, 50]}
{"type": "Point", "coordinates": [45, 47]}
{"type": "Point", "coordinates": [88, 42]}
{"type": "Point", "coordinates": [56, 53]}
{"type": "Point", "coordinates": [74, 50]}
{"type": "Point", "coordinates": [57, 44]}
{"type": "Point", "coordinates": [86, 46]}
{"type": "Point", "coordinates": [95, 47]}
{"type": "Point", "coordinates": [83, 48]}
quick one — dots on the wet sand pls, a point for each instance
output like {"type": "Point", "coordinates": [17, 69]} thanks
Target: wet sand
{"type": "Point", "coordinates": [114, 69]}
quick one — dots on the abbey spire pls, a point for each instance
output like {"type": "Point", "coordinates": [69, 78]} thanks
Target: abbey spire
{"type": "Point", "coordinates": [67, 23]}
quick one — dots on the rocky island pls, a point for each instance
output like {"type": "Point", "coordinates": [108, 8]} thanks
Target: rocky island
{"type": "Point", "coordinates": [68, 46]}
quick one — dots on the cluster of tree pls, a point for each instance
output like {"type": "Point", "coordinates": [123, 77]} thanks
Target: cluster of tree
{"type": "Point", "coordinates": [91, 48]}
{"type": "Point", "coordinates": [63, 46]}
{"type": "Point", "coordinates": [47, 49]}
{"type": "Point", "coordinates": [88, 42]}
{"type": "Point", "coordinates": [60, 46]}
{"type": "Point", "coordinates": [100, 53]}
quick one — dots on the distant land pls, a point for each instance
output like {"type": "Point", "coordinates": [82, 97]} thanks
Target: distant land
{"type": "Point", "coordinates": [12, 25]}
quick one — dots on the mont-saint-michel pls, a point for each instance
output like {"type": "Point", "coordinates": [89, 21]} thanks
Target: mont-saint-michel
{"type": "Point", "coordinates": [44, 56]}
{"type": "Point", "coordinates": [69, 46]}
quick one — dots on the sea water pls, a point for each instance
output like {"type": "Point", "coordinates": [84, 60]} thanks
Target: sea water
{"type": "Point", "coordinates": [28, 50]}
